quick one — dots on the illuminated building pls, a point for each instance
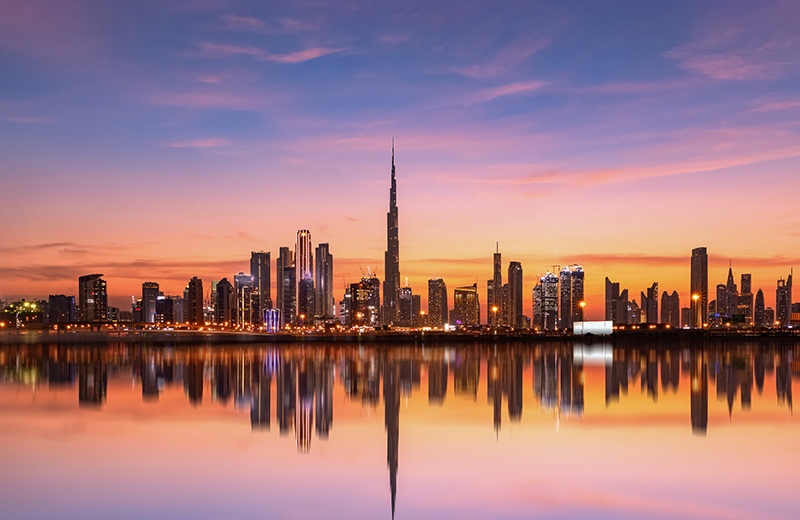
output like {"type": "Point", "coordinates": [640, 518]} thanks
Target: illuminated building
{"type": "Point", "coordinates": [324, 282]}
{"type": "Point", "coordinates": [698, 289]}
{"type": "Point", "coordinates": [364, 302]}
{"type": "Point", "coordinates": [92, 298]}
{"type": "Point", "coordinates": [150, 293]}
{"type": "Point", "coordinates": [304, 261]}
{"type": "Point", "coordinates": [61, 309]}
{"type": "Point", "coordinates": [493, 296]}
{"type": "Point", "coordinates": [783, 301]}
{"type": "Point", "coordinates": [538, 316]}
{"type": "Point", "coordinates": [515, 295]}
{"type": "Point", "coordinates": [571, 279]}
{"type": "Point", "coordinates": [225, 302]}
{"type": "Point", "coordinates": [286, 288]}
{"type": "Point", "coordinates": [306, 300]}
{"type": "Point", "coordinates": [260, 271]}
{"type": "Point", "coordinates": [404, 307]}
{"type": "Point", "coordinates": [165, 310]}
{"type": "Point", "coordinates": [391, 285]}
{"type": "Point", "coordinates": [193, 302]}
{"type": "Point", "coordinates": [549, 297]}
{"type": "Point", "coordinates": [243, 284]}
{"type": "Point", "coordinates": [437, 303]}
{"type": "Point", "coordinates": [466, 307]}
{"type": "Point", "coordinates": [416, 311]}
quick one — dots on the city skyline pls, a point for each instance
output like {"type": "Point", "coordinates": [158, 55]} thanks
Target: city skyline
{"type": "Point", "coordinates": [607, 136]}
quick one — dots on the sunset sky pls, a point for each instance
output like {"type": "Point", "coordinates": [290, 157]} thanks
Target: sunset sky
{"type": "Point", "coordinates": [158, 141]}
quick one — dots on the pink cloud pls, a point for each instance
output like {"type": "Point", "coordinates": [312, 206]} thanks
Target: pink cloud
{"type": "Point", "coordinates": [520, 87]}
{"type": "Point", "coordinates": [220, 50]}
{"type": "Point", "coordinates": [304, 55]}
{"type": "Point", "coordinates": [233, 22]}
{"type": "Point", "coordinates": [777, 106]}
{"type": "Point", "coordinates": [292, 25]}
{"type": "Point", "coordinates": [30, 120]}
{"type": "Point", "coordinates": [211, 142]}
{"type": "Point", "coordinates": [504, 61]}
{"type": "Point", "coordinates": [200, 99]}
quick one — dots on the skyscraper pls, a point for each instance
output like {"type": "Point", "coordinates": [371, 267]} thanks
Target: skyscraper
{"type": "Point", "coordinates": [549, 291]}
{"type": "Point", "coordinates": [405, 310]}
{"type": "Point", "coordinates": [286, 287]}
{"type": "Point", "coordinates": [437, 303]}
{"type": "Point", "coordinates": [698, 290]}
{"type": "Point", "coordinates": [650, 304]}
{"type": "Point", "coordinates": [259, 270]}
{"type": "Point", "coordinates": [243, 284]}
{"type": "Point", "coordinates": [571, 279]}
{"type": "Point", "coordinates": [149, 296]}
{"type": "Point", "coordinates": [92, 298]}
{"type": "Point", "coordinates": [759, 315]}
{"type": "Point", "coordinates": [495, 290]}
{"type": "Point", "coordinates": [391, 285]}
{"type": "Point", "coordinates": [193, 301]}
{"type": "Point", "coordinates": [225, 302]}
{"type": "Point", "coordinates": [303, 259]}
{"type": "Point", "coordinates": [466, 307]}
{"type": "Point", "coordinates": [671, 309]}
{"type": "Point", "coordinates": [515, 294]}
{"type": "Point", "coordinates": [324, 281]}
{"type": "Point", "coordinates": [783, 301]}
{"type": "Point", "coordinates": [61, 309]}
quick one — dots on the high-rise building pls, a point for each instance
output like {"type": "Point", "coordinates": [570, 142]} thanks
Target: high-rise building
{"type": "Point", "coordinates": [150, 293]}
{"type": "Point", "coordinates": [671, 309]}
{"type": "Point", "coordinates": [92, 298]}
{"type": "Point", "coordinates": [437, 303]}
{"type": "Point", "coordinates": [404, 307]}
{"type": "Point", "coordinates": [193, 301]}
{"type": "Point", "coordinates": [260, 271]}
{"type": "Point", "coordinates": [306, 300]}
{"type": "Point", "coordinates": [650, 304]}
{"type": "Point", "coordinates": [225, 304]}
{"type": "Point", "coordinates": [303, 259]}
{"type": "Point", "coordinates": [466, 306]}
{"type": "Point", "coordinates": [324, 281]}
{"type": "Point", "coordinates": [759, 317]}
{"type": "Point", "coordinates": [515, 295]}
{"type": "Point", "coordinates": [494, 291]}
{"type": "Point", "coordinates": [698, 289]}
{"type": "Point", "coordinates": [571, 279]}
{"type": "Point", "coordinates": [243, 285]}
{"type": "Point", "coordinates": [783, 301]}
{"type": "Point", "coordinates": [61, 309]}
{"type": "Point", "coordinates": [612, 295]}
{"type": "Point", "coordinates": [549, 296]}
{"type": "Point", "coordinates": [286, 287]}
{"type": "Point", "coordinates": [363, 304]}
{"type": "Point", "coordinates": [391, 286]}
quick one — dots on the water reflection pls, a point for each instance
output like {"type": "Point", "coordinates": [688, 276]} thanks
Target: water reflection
{"type": "Point", "coordinates": [304, 380]}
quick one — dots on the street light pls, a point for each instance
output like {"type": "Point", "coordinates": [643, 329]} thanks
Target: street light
{"type": "Point", "coordinates": [695, 300]}
{"type": "Point", "coordinates": [583, 309]}
{"type": "Point", "coordinates": [494, 320]}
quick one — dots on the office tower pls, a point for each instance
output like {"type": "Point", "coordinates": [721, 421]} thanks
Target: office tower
{"type": "Point", "coordinates": [745, 301]}
{"type": "Point", "coordinates": [466, 307]}
{"type": "Point", "coordinates": [405, 307]}
{"type": "Point", "coordinates": [150, 294]}
{"type": "Point", "coordinates": [363, 305]}
{"type": "Point", "coordinates": [324, 281]}
{"type": "Point", "coordinates": [746, 283]}
{"type": "Point", "coordinates": [193, 302]}
{"type": "Point", "coordinates": [437, 303]}
{"type": "Point", "coordinates": [571, 280]}
{"type": "Point", "coordinates": [549, 291]}
{"type": "Point", "coordinates": [92, 298]}
{"type": "Point", "coordinates": [504, 311]}
{"type": "Point", "coordinates": [494, 292]}
{"type": "Point", "coordinates": [416, 311]}
{"type": "Point", "coordinates": [61, 309]}
{"type": "Point", "coordinates": [306, 299]}
{"type": "Point", "coordinates": [538, 320]}
{"type": "Point", "coordinates": [671, 309]}
{"type": "Point", "coordinates": [649, 305]}
{"type": "Point", "coordinates": [303, 259]}
{"type": "Point", "coordinates": [286, 288]}
{"type": "Point", "coordinates": [165, 310]}
{"type": "Point", "coordinates": [260, 271]}
{"type": "Point", "coordinates": [783, 301]}
{"type": "Point", "coordinates": [391, 286]}
{"type": "Point", "coordinates": [759, 317]}
{"type": "Point", "coordinates": [698, 289]}
{"type": "Point", "coordinates": [515, 294]}
{"type": "Point", "coordinates": [612, 295]}
{"type": "Point", "coordinates": [225, 302]}
{"type": "Point", "coordinates": [686, 316]}
{"type": "Point", "coordinates": [243, 284]}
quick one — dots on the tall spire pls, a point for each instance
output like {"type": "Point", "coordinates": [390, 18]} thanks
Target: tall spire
{"type": "Point", "coordinates": [391, 287]}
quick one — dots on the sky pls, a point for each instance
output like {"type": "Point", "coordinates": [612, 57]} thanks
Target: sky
{"type": "Point", "coordinates": [163, 140]}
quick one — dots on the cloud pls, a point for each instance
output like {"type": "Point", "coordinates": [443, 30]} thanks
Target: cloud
{"type": "Point", "coordinates": [520, 87]}
{"type": "Point", "coordinates": [232, 22]}
{"type": "Point", "coordinates": [220, 50]}
{"type": "Point", "coordinates": [738, 55]}
{"type": "Point", "coordinates": [504, 61]}
{"type": "Point", "coordinates": [292, 25]}
{"type": "Point", "coordinates": [211, 142]}
{"type": "Point", "coordinates": [72, 248]}
{"type": "Point", "coordinates": [30, 120]}
{"type": "Point", "coordinates": [777, 106]}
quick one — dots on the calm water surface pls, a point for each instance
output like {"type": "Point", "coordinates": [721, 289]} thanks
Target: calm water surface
{"type": "Point", "coordinates": [367, 431]}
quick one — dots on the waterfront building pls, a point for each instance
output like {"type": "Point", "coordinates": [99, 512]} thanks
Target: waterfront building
{"type": "Point", "coordinates": [759, 317]}
{"type": "Point", "coordinates": [494, 291]}
{"type": "Point", "coordinates": [515, 295]}
{"type": "Point", "coordinates": [92, 298]}
{"type": "Point", "coordinates": [262, 297]}
{"type": "Point", "coordinates": [649, 305]}
{"type": "Point", "coordinates": [698, 289]}
{"type": "Point", "coordinates": [61, 309]}
{"type": "Point", "coordinates": [571, 280]}
{"type": "Point", "coordinates": [243, 284]}
{"type": "Point", "coordinates": [549, 298]}
{"type": "Point", "coordinates": [150, 293]}
{"type": "Point", "coordinates": [325, 302]}
{"type": "Point", "coordinates": [466, 306]}
{"type": "Point", "coordinates": [405, 310]}
{"type": "Point", "coordinates": [225, 303]}
{"type": "Point", "coordinates": [437, 303]}
{"type": "Point", "coordinates": [391, 286]}
{"type": "Point", "coordinates": [671, 309]}
{"type": "Point", "coordinates": [286, 288]}
{"type": "Point", "coordinates": [783, 301]}
{"type": "Point", "coordinates": [193, 302]}
{"type": "Point", "coordinates": [304, 260]}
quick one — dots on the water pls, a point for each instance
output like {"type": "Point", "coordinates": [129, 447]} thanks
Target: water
{"type": "Point", "coordinates": [468, 431]}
